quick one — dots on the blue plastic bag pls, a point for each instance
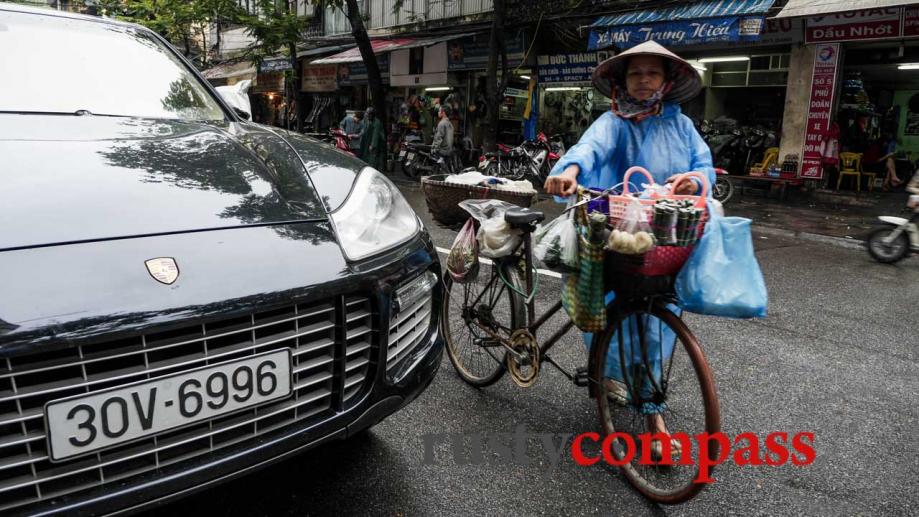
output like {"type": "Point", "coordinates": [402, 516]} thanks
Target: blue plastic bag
{"type": "Point", "coordinates": [722, 276]}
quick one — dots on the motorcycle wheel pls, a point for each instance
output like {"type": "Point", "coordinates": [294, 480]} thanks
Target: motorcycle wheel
{"type": "Point", "coordinates": [516, 171]}
{"type": "Point", "coordinates": [723, 190]}
{"type": "Point", "coordinates": [887, 253]}
{"type": "Point", "coordinates": [410, 168]}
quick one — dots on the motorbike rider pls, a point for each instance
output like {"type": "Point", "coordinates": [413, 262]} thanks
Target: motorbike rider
{"type": "Point", "coordinates": [442, 147]}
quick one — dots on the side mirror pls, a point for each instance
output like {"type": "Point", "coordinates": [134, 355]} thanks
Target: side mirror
{"type": "Point", "coordinates": [242, 113]}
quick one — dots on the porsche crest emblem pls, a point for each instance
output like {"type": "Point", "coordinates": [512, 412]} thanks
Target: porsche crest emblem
{"type": "Point", "coordinates": [163, 269]}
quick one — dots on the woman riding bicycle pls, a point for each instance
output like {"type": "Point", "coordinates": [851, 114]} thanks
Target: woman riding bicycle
{"type": "Point", "coordinates": [645, 128]}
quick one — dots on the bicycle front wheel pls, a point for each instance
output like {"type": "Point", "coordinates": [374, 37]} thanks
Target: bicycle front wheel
{"type": "Point", "coordinates": [487, 302]}
{"type": "Point", "coordinates": [651, 377]}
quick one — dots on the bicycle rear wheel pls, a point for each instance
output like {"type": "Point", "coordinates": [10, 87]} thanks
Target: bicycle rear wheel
{"type": "Point", "coordinates": [655, 393]}
{"type": "Point", "coordinates": [479, 359]}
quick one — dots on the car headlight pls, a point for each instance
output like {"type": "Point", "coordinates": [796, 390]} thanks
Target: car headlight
{"type": "Point", "coordinates": [374, 218]}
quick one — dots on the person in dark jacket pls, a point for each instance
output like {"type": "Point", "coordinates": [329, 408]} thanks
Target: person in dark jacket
{"type": "Point", "coordinates": [373, 141]}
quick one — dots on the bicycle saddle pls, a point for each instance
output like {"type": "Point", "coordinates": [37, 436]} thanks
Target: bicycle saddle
{"type": "Point", "coordinates": [523, 217]}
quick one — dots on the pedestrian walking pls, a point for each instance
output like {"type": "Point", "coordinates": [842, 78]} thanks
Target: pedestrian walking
{"type": "Point", "coordinates": [373, 141]}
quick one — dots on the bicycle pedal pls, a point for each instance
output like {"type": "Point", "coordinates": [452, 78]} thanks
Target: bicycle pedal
{"type": "Point", "coordinates": [580, 377]}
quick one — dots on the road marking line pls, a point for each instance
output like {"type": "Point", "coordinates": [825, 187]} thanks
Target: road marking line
{"type": "Point", "coordinates": [544, 272]}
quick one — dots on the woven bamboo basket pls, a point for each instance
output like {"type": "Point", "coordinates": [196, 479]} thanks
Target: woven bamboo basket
{"type": "Point", "coordinates": [443, 198]}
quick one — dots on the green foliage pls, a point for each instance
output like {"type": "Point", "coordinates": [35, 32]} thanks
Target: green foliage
{"type": "Point", "coordinates": [176, 20]}
{"type": "Point", "coordinates": [275, 27]}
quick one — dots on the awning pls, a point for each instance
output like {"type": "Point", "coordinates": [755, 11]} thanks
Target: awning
{"type": "Point", "coordinates": [795, 8]}
{"type": "Point", "coordinates": [381, 46]}
{"type": "Point", "coordinates": [711, 21]}
{"type": "Point", "coordinates": [354, 55]}
{"type": "Point", "coordinates": [427, 42]}
{"type": "Point", "coordinates": [227, 70]}
{"type": "Point", "coordinates": [707, 9]}
{"type": "Point", "coordinates": [323, 50]}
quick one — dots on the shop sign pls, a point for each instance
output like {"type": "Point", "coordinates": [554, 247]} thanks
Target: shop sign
{"type": "Point", "coordinates": [820, 106]}
{"type": "Point", "coordinates": [277, 64]}
{"type": "Point", "coordinates": [319, 78]}
{"type": "Point", "coordinates": [781, 31]}
{"type": "Point", "coordinates": [471, 53]}
{"type": "Point", "coordinates": [866, 24]}
{"type": "Point", "coordinates": [268, 82]}
{"type": "Point", "coordinates": [350, 74]}
{"type": "Point", "coordinates": [679, 33]}
{"type": "Point", "coordinates": [566, 68]}
{"type": "Point", "coordinates": [910, 22]}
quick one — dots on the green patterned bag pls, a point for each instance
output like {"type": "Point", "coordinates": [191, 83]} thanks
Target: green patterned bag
{"type": "Point", "coordinates": [583, 296]}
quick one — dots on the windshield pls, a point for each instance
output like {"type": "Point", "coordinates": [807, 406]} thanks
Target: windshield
{"type": "Point", "coordinates": [50, 64]}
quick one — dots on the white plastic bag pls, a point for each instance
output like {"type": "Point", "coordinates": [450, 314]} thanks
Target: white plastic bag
{"type": "Point", "coordinates": [632, 235]}
{"type": "Point", "coordinates": [556, 244]}
{"type": "Point", "coordinates": [496, 237]}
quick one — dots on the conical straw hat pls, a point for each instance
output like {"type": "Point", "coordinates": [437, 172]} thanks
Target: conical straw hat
{"type": "Point", "coordinates": [686, 81]}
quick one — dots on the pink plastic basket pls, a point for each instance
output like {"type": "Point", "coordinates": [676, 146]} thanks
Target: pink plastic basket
{"type": "Point", "coordinates": [661, 260]}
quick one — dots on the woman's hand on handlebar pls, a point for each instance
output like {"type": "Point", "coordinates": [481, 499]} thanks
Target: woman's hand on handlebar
{"type": "Point", "coordinates": [684, 188]}
{"type": "Point", "coordinates": [564, 184]}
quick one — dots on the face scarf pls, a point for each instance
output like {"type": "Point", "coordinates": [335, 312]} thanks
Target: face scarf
{"type": "Point", "coordinates": [630, 108]}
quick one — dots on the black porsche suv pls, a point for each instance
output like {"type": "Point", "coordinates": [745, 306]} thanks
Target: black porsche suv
{"type": "Point", "coordinates": [185, 296]}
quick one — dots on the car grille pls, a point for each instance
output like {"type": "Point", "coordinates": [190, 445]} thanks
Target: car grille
{"type": "Point", "coordinates": [331, 344]}
{"type": "Point", "coordinates": [407, 329]}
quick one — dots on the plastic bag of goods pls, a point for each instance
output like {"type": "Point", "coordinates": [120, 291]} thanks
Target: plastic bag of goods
{"type": "Point", "coordinates": [633, 234]}
{"type": "Point", "coordinates": [463, 260]}
{"type": "Point", "coordinates": [556, 244]}
{"type": "Point", "coordinates": [496, 237]}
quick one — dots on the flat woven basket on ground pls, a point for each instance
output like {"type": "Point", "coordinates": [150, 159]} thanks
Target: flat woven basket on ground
{"type": "Point", "coordinates": [443, 198]}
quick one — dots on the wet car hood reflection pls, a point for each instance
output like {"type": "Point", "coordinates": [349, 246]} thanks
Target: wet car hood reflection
{"type": "Point", "coordinates": [70, 179]}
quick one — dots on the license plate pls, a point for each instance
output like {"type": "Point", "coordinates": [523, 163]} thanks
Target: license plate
{"type": "Point", "coordinates": [401, 154]}
{"type": "Point", "coordinates": [410, 156]}
{"type": "Point", "coordinates": [87, 423]}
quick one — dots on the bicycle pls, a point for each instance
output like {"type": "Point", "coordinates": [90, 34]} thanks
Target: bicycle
{"type": "Point", "coordinates": [490, 328]}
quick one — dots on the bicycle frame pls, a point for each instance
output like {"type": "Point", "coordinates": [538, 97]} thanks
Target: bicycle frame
{"type": "Point", "coordinates": [533, 326]}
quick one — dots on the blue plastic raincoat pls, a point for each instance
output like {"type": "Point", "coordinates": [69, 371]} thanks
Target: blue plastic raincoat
{"type": "Point", "coordinates": [665, 145]}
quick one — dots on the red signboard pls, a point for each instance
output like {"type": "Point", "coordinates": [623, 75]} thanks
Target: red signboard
{"type": "Point", "coordinates": [865, 24]}
{"type": "Point", "coordinates": [910, 21]}
{"type": "Point", "coordinates": [823, 88]}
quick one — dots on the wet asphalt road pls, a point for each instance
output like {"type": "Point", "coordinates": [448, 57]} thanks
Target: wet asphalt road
{"type": "Point", "coordinates": [837, 356]}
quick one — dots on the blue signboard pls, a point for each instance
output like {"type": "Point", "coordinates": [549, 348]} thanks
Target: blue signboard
{"type": "Point", "coordinates": [566, 68]}
{"type": "Point", "coordinates": [678, 33]}
{"type": "Point", "coordinates": [275, 64]}
{"type": "Point", "coordinates": [471, 52]}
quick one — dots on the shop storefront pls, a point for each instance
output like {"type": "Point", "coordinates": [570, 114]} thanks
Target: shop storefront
{"type": "Point", "coordinates": [319, 84]}
{"type": "Point", "coordinates": [467, 61]}
{"type": "Point", "coordinates": [267, 94]}
{"type": "Point", "coordinates": [860, 70]}
{"type": "Point", "coordinates": [568, 103]}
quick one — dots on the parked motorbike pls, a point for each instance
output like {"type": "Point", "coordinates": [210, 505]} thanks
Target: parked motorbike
{"type": "Point", "coordinates": [896, 237]}
{"type": "Point", "coordinates": [723, 189]}
{"type": "Point", "coordinates": [420, 160]}
{"type": "Point", "coordinates": [342, 141]}
{"type": "Point", "coordinates": [532, 159]}
{"type": "Point", "coordinates": [336, 137]}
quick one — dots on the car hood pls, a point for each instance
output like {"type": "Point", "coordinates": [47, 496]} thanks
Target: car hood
{"type": "Point", "coordinates": [76, 179]}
